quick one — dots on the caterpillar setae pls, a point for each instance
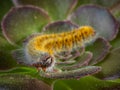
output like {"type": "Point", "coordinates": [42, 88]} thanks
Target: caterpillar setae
{"type": "Point", "coordinates": [39, 50]}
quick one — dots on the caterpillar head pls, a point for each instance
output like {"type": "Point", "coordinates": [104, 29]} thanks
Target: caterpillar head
{"type": "Point", "coordinates": [45, 61]}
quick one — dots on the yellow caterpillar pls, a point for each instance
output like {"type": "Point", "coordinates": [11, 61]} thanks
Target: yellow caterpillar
{"type": "Point", "coordinates": [53, 43]}
{"type": "Point", "coordinates": [39, 50]}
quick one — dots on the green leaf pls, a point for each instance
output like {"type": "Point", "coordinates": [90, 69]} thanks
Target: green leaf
{"type": "Point", "coordinates": [73, 74]}
{"type": "Point", "coordinates": [110, 65]}
{"type": "Point", "coordinates": [21, 82]}
{"type": "Point", "coordinates": [22, 70]}
{"type": "Point", "coordinates": [23, 21]}
{"type": "Point", "coordinates": [103, 3]}
{"type": "Point", "coordinates": [6, 60]}
{"type": "Point", "coordinates": [100, 48]}
{"type": "Point", "coordinates": [85, 83]}
{"type": "Point", "coordinates": [57, 9]}
{"type": "Point", "coordinates": [5, 5]}
{"type": "Point", "coordinates": [81, 61]}
{"type": "Point", "coordinates": [116, 42]}
{"type": "Point", "coordinates": [99, 18]}
{"type": "Point", "coordinates": [115, 10]}
{"type": "Point", "coordinates": [59, 27]}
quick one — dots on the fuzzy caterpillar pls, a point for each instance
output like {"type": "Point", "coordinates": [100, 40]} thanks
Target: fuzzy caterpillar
{"type": "Point", "coordinates": [53, 43]}
{"type": "Point", "coordinates": [40, 49]}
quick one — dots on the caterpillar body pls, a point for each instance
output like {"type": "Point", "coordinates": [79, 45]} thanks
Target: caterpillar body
{"type": "Point", "coordinates": [40, 50]}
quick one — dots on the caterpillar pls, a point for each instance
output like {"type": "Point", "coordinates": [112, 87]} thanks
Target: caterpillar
{"type": "Point", "coordinates": [39, 50]}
